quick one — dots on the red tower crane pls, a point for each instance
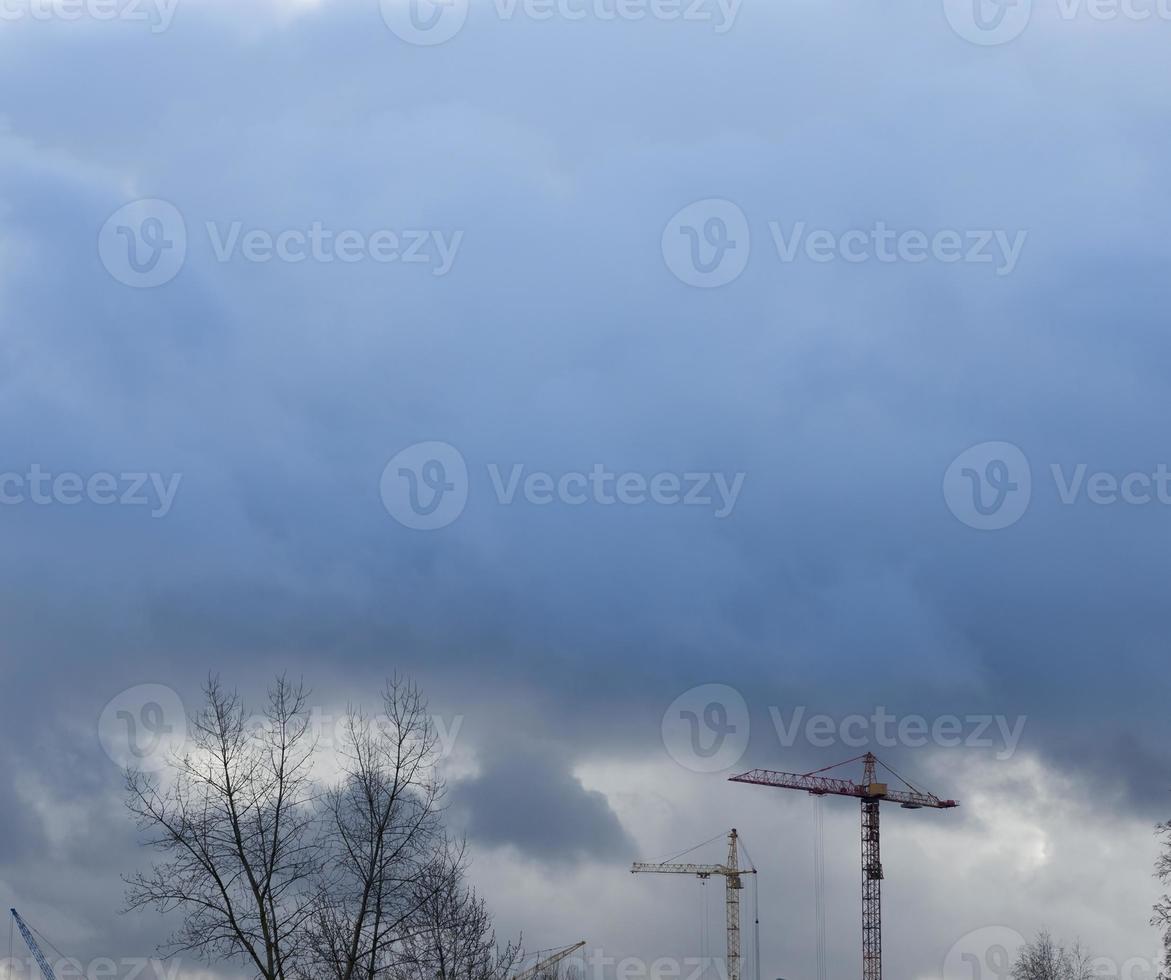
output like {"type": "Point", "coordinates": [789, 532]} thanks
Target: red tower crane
{"type": "Point", "coordinates": [871, 793]}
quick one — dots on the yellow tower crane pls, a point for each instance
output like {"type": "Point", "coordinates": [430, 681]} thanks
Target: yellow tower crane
{"type": "Point", "coordinates": [731, 873]}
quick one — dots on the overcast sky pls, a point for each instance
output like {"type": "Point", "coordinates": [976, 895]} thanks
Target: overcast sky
{"type": "Point", "coordinates": [573, 357]}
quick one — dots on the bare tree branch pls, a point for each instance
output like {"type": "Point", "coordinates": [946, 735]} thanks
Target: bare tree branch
{"type": "Point", "coordinates": [351, 877]}
{"type": "Point", "coordinates": [1043, 958]}
{"type": "Point", "coordinates": [234, 821]}
{"type": "Point", "coordinates": [1162, 911]}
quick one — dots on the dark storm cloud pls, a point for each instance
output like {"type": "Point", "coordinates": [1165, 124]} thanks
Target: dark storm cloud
{"type": "Point", "coordinates": [526, 798]}
{"type": "Point", "coordinates": [841, 391]}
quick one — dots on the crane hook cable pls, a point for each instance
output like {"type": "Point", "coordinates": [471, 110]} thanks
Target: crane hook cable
{"type": "Point", "coordinates": [690, 849]}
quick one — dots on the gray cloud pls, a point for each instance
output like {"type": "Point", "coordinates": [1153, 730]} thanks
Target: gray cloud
{"type": "Point", "coordinates": [527, 799]}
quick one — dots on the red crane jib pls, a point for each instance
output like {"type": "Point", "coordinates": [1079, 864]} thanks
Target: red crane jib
{"type": "Point", "coordinates": [823, 785]}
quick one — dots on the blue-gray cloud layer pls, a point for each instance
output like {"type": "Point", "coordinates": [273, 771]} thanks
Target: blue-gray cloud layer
{"type": "Point", "coordinates": [560, 339]}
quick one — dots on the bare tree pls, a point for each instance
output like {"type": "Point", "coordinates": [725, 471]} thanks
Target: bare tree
{"type": "Point", "coordinates": [234, 822]}
{"type": "Point", "coordinates": [1043, 958]}
{"type": "Point", "coordinates": [383, 835]}
{"type": "Point", "coordinates": [305, 872]}
{"type": "Point", "coordinates": [1162, 915]}
{"type": "Point", "coordinates": [450, 936]}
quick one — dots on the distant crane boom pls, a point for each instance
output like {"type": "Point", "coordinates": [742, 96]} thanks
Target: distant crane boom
{"type": "Point", "coordinates": [549, 962]}
{"type": "Point", "coordinates": [33, 946]}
